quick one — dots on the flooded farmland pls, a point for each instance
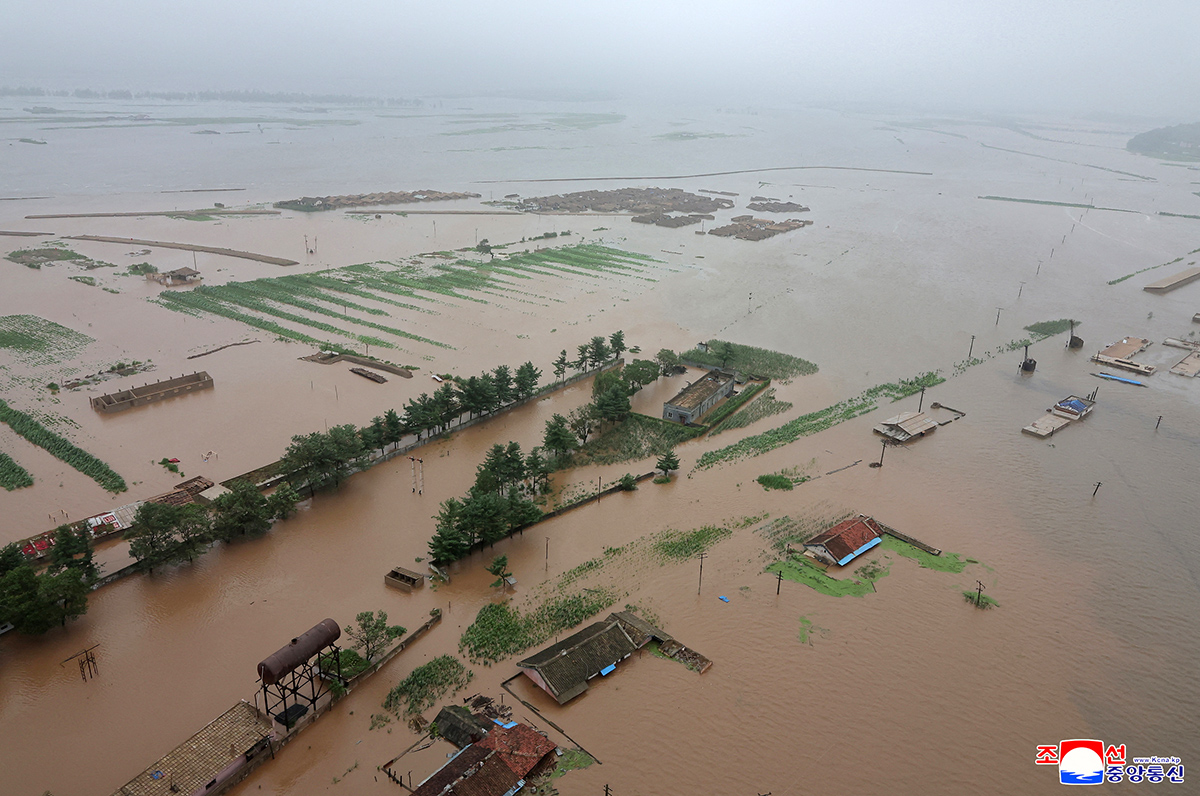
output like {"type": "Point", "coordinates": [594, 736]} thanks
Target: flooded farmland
{"type": "Point", "coordinates": [906, 268]}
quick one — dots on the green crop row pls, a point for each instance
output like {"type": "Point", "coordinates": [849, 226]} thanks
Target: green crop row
{"type": "Point", "coordinates": [12, 475]}
{"type": "Point", "coordinates": [1044, 329]}
{"type": "Point", "coordinates": [750, 360]}
{"type": "Point", "coordinates": [734, 404]}
{"type": "Point", "coordinates": [61, 448]}
{"type": "Point", "coordinates": [765, 406]}
{"type": "Point", "coordinates": [428, 683]}
{"type": "Point", "coordinates": [500, 631]}
{"type": "Point", "coordinates": [817, 421]}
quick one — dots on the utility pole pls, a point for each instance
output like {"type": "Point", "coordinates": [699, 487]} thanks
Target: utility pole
{"type": "Point", "coordinates": [922, 401]}
{"type": "Point", "coordinates": [420, 476]}
{"type": "Point", "coordinates": [778, 581]}
{"type": "Point", "coordinates": [882, 451]}
{"type": "Point", "coordinates": [698, 585]}
{"type": "Point", "coordinates": [1159, 421]}
{"type": "Point", "coordinates": [1097, 489]}
{"type": "Point", "coordinates": [412, 463]}
{"type": "Point", "coordinates": [998, 311]}
{"type": "Point", "coordinates": [979, 594]}
{"type": "Point", "coordinates": [972, 348]}
{"type": "Point", "coordinates": [547, 553]}
{"type": "Point", "coordinates": [1020, 289]}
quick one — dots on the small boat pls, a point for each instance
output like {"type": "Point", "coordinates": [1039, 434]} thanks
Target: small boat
{"type": "Point", "coordinates": [1118, 378]}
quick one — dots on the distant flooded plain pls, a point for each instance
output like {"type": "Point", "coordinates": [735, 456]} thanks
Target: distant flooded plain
{"type": "Point", "coordinates": [908, 689]}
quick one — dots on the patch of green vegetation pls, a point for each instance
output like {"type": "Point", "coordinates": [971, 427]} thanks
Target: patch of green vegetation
{"type": "Point", "coordinates": [141, 269]}
{"type": "Point", "coordinates": [782, 532]}
{"type": "Point", "coordinates": [765, 406]}
{"type": "Point", "coordinates": [775, 481]}
{"type": "Point", "coordinates": [427, 684]}
{"type": "Point", "coordinates": [37, 341]}
{"type": "Point", "coordinates": [500, 631]}
{"type": "Point", "coordinates": [946, 562]}
{"type": "Point", "coordinates": [12, 475]}
{"type": "Point", "coordinates": [638, 437]}
{"type": "Point", "coordinates": [31, 141]}
{"type": "Point", "coordinates": [750, 360]}
{"type": "Point", "coordinates": [1044, 329]}
{"type": "Point", "coordinates": [676, 545]}
{"type": "Point", "coordinates": [1121, 279]}
{"type": "Point", "coordinates": [1178, 215]}
{"type": "Point", "coordinates": [817, 421]}
{"type": "Point", "coordinates": [799, 570]}
{"type": "Point", "coordinates": [87, 280]}
{"type": "Point", "coordinates": [979, 600]}
{"type": "Point", "coordinates": [352, 663]}
{"type": "Point", "coordinates": [586, 121]}
{"type": "Point", "coordinates": [170, 465]}
{"type": "Point", "coordinates": [36, 258]}
{"type": "Point", "coordinates": [60, 448]}
{"type": "Point", "coordinates": [733, 404]}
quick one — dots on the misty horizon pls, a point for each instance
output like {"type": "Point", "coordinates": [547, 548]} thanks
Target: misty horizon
{"type": "Point", "coordinates": [1019, 57]}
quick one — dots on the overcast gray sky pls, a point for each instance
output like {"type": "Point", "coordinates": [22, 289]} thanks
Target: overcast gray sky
{"type": "Point", "coordinates": [1120, 56]}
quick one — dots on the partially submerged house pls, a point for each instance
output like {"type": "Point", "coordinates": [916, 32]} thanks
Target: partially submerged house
{"type": "Point", "coordinates": [845, 541]}
{"type": "Point", "coordinates": [461, 727]}
{"type": "Point", "coordinates": [474, 771]}
{"type": "Point", "coordinates": [697, 398]}
{"type": "Point", "coordinates": [906, 426]}
{"type": "Point", "coordinates": [524, 750]}
{"type": "Point", "coordinates": [563, 670]}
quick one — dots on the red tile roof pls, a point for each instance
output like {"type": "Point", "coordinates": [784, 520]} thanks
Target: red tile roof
{"type": "Point", "coordinates": [473, 772]}
{"type": "Point", "coordinates": [847, 536]}
{"type": "Point", "coordinates": [520, 747]}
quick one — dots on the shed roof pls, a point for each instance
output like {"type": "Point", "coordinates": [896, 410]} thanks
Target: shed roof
{"type": "Point", "coordinates": [183, 272]}
{"type": "Point", "coordinates": [458, 726]}
{"type": "Point", "coordinates": [640, 631]}
{"type": "Point", "coordinates": [913, 423]}
{"type": "Point", "coordinates": [698, 392]}
{"type": "Point", "coordinates": [520, 747]}
{"type": "Point", "coordinates": [847, 537]}
{"type": "Point", "coordinates": [566, 666]}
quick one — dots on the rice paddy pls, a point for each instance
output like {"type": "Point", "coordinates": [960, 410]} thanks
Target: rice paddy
{"type": "Point", "coordinates": [61, 448]}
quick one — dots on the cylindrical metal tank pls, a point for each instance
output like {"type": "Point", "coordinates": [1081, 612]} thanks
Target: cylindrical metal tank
{"type": "Point", "coordinates": [303, 647]}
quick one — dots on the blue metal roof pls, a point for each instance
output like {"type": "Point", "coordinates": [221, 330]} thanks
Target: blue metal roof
{"type": "Point", "coordinates": [860, 550]}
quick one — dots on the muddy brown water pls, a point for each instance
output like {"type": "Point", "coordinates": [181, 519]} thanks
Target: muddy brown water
{"type": "Point", "coordinates": [907, 690]}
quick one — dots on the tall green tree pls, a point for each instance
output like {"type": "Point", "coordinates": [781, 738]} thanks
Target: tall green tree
{"type": "Point", "coordinates": [499, 568]}
{"type": "Point", "coordinates": [561, 364]}
{"type": "Point", "coordinates": [348, 449]}
{"type": "Point", "coordinates": [378, 433]}
{"type": "Point", "coordinates": [667, 462]}
{"type": "Point", "coordinates": [640, 372]}
{"type": "Point", "coordinates": [393, 427]}
{"type": "Point", "coordinates": [371, 633]}
{"type": "Point", "coordinates": [281, 503]}
{"type": "Point", "coordinates": [616, 342]}
{"type": "Point", "coordinates": [558, 438]}
{"type": "Point", "coordinates": [613, 405]}
{"type": "Point", "coordinates": [73, 550]}
{"type": "Point", "coordinates": [526, 381]}
{"type": "Point", "coordinates": [537, 470]}
{"type": "Point", "coordinates": [668, 362]}
{"type": "Point", "coordinates": [582, 421]}
{"type": "Point", "coordinates": [584, 352]}
{"type": "Point", "coordinates": [598, 351]}
{"type": "Point", "coordinates": [488, 395]}
{"type": "Point", "coordinates": [449, 542]}
{"type": "Point", "coordinates": [242, 512]}
{"type": "Point", "coordinates": [502, 378]}
{"type": "Point", "coordinates": [163, 534]}
{"type": "Point", "coordinates": [445, 401]}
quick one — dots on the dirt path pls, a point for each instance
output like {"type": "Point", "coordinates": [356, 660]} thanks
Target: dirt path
{"type": "Point", "coordinates": [191, 247]}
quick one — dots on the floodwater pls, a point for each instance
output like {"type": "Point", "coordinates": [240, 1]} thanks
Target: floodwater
{"type": "Point", "coordinates": [907, 690]}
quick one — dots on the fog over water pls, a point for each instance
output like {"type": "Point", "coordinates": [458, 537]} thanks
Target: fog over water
{"type": "Point", "coordinates": [908, 134]}
{"type": "Point", "coordinates": [1015, 55]}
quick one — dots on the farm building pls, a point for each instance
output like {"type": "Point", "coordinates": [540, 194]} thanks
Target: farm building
{"type": "Point", "coordinates": [460, 727]}
{"type": "Point", "coordinates": [700, 396]}
{"type": "Point", "coordinates": [474, 771]}
{"type": "Point", "coordinates": [521, 748]}
{"type": "Point", "coordinates": [563, 670]}
{"type": "Point", "coordinates": [907, 425]}
{"type": "Point", "coordinates": [845, 541]}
